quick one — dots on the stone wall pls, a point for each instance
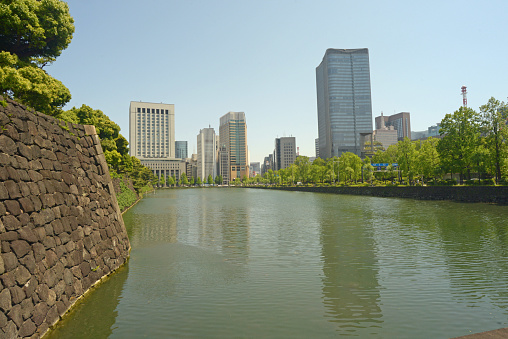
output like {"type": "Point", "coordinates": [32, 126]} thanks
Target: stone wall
{"type": "Point", "coordinates": [485, 194]}
{"type": "Point", "coordinates": [61, 230]}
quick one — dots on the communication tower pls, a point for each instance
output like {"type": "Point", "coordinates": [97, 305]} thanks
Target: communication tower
{"type": "Point", "coordinates": [464, 96]}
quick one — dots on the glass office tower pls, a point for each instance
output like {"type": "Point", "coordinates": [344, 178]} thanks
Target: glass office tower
{"type": "Point", "coordinates": [344, 101]}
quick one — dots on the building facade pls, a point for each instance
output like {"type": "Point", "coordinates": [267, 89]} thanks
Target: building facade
{"type": "Point", "coordinates": [181, 149]}
{"type": "Point", "coordinates": [284, 152]}
{"type": "Point", "coordinates": [233, 137]}
{"type": "Point", "coordinates": [344, 101]}
{"type": "Point", "coordinates": [152, 130]}
{"type": "Point", "coordinates": [192, 167]}
{"type": "Point", "coordinates": [207, 154]}
{"type": "Point", "coordinates": [401, 122]}
{"type": "Point", "coordinates": [255, 169]}
{"type": "Point", "coordinates": [152, 138]}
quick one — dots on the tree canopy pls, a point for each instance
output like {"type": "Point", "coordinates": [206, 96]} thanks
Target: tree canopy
{"type": "Point", "coordinates": [35, 30]}
{"type": "Point", "coordinates": [32, 34]}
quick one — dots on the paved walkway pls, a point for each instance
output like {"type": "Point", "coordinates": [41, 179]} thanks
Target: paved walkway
{"type": "Point", "coordinates": [496, 334]}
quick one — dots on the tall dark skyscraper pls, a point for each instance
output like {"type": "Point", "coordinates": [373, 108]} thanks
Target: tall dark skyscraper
{"type": "Point", "coordinates": [344, 101]}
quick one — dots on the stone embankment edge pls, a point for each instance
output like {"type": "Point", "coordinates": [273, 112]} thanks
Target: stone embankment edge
{"type": "Point", "coordinates": [471, 194]}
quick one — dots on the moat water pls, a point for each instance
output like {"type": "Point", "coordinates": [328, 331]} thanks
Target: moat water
{"type": "Point", "coordinates": [228, 263]}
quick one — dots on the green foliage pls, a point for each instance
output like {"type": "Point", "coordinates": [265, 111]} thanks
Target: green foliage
{"type": "Point", "coordinates": [126, 197]}
{"type": "Point", "coordinates": [35, 29]}
{"type": "Point", "coordinates": [210, 179]}
{"type": "Point", "coordinates": [183, 179]}
{"type": "Point", "coordinates": [461, 140]}
{"type": "Point", "coordinates": [32, 34]}
{"type": "Point", "coordinates": [198, 182]}
{"type": "Point", "coordinates": [494, 118]}
{"type": "Point", "coordinates": [31, 85]}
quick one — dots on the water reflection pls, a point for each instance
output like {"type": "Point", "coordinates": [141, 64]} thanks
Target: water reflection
{"type": "Point", "coordinates": [271, 264]}
{"type": "Point", "coordinates": [98, 324]}
{"type": "Point", "coordinates": [350, 285]}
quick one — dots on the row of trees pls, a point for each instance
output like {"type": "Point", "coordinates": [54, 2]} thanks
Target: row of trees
{"type": "Point", "coordinates": [473, 145]}
{"type": "Point", "coordinates": [185, 181]}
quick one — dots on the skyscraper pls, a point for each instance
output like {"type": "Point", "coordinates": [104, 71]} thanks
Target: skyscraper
{"type": "Point", "coordinates": [152, 138]}
{"type": "Point", "coordinates": [181, 149]}
{"type": "Point", "coordinates": [233, 136]}
{"type": "Point", "coordinates": [400, 121]}
{"type": "Point", "coordinates": [284, 152]}
{"type": "Point", "coordinates": [344, 101]}
{"type": "Point", "coordinates": [207, 154]}
{"type": "Point", "coordinates": [152, 130]}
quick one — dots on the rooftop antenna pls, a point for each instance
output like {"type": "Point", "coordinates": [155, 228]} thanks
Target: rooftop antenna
{"type": "Point", "coordinates": [464, 96]}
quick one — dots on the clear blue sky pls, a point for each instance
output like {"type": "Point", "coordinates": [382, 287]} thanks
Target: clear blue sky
{"type": "Point", "coordinates": [211, 57]}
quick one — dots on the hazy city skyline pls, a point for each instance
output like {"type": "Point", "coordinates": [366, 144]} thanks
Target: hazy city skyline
{"type": "Point", "coordinates": [209, 58]}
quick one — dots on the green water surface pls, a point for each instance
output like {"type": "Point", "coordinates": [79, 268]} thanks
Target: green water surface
{"type": "Point", "coordinates": [247, 263]}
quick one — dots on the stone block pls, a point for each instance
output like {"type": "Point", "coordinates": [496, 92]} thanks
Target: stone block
{"type": "Point", "coordinates": [4, 194]}
{"type": "Point", "coordinates": [52, 316]}
{"type": "Point", "coordinates": [12, 189]}
{"type": "Point", "coordinates": [24, 218]}
{"type": "Point", "coordinates": [65, 238]}
{"type": "Point", "coordinates": [20, 247]}
{"type": "Point", "coordinates": [51, 258]}
{"type": "Point", "coordinates": [51, 298]}
{"type": "Point", "coordinates": [27, 306]}
{"type": "Point", "coordinates": [34, 189]}
{"type": "Point", "coordinates": [49, 278]}
{"type": "Point", "coordinates": [23, 174]}
{"type": "Point", "coordinates": [10, 330]}
{"type": "Point", "coordinates": [11, 223]}
{"type": "Point", "coordinates": [43, 217]}
{"type": "Point", "coordinates": [27, 329]}
{"type": "Point", "coordinates": [27, 233]}
{"type": "Point", "coordinates": [30, 287]}
{"type": "Point", "coordinates": [17, 294]}
{"type": "Point", "coordinates": [3, 320]}
{"type": "Point", "coordinates": [35, 165]}
{"type": "Point", "coordinates": [13, 207]}
{"type": "Point", "coordinates": [9, 236]}
{"type": "Point", "coordinates": [39, 313]}
{"type": "Point", "coordinates": [34, 176]}
{"type": "Point", "coordinates": [90, 130]}
{"type": "Point", "coordinates": [59, 289]}
{"type": "Point", "coordinates": [57, 226]}
{"type": "Point", "coordinates": [59, 199]}
{"type": "Point", "coordinates": [40, 233]}
{"type": "Point", "coordinates": [7, 145]}
{"type": "Point", "coordinates": [22, 163]}
{"type": "Point", "coordinates": [85, 268]}
{"type": "Point", "coordinates": [39, 251]}
{"type": "Point", "coordinates": [5, 300]}
{"type": "Point", "coordinates": [12, 174]}
{"type": "Point", "coordinates": [29, 262]}
{"type": "Point", "coordinates": [22, 275]}
{"type": "Point", "coordinates": [26, 204]}
{"type": "Point", "coordinates": [15, 315]}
